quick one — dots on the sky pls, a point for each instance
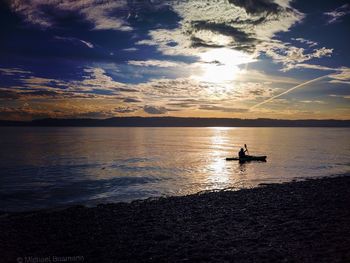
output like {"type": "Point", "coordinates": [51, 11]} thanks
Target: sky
{"type": "Point", "coordinates": [217, 58]}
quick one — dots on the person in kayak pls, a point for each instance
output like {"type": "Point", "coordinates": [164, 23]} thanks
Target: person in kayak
{"type": "Point", "coordinates": [241, 153]}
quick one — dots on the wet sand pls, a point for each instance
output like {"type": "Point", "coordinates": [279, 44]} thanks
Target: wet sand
{"type": "Point", "coordinates": [306, 221]}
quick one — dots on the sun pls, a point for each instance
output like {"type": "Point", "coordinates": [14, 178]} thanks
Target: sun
{"type": "Point", "coordinates": [217, 73]}
{"type": "Point", "coordinates": [220, 65]}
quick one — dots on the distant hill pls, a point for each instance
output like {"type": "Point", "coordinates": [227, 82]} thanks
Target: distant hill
{"type": "Point", "coordinates": [176, 122]}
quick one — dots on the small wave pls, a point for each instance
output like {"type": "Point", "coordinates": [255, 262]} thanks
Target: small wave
{"type": "Point", "coordinates": [29, 196]}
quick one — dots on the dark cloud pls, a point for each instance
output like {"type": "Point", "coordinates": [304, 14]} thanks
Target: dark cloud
{"type": "Point", "coordinates": [240, 39]}
{"type": "Point", "coordinates": [187, 103]}
{"type": "Point", "coordinates": [223, 29]}
{"type": "Point", "coordinates": [130, 100]}
{"type": "Point", "coordinates": [22, 113]}
{"type": "Point", "coordinates": [97, 14]}
{"type": "Point", "coordinates": [125, 109]}
{"type": "Point", "coordinates": [257, 6]}
{"type": "Point", "coordinates": [48, 94]}
{"type": "Point", "coordinates": [44, 93]}
{"type": "Point", "coordinates": [260, 91]}
{"type": "Point", "coordinates": [197, 42]}
{"type": "Point", "coordinates": [126, 90]}
{"type": "Point", "coordinates": [155, 109]}
{"type": "Point", "coordinates": [221, 108]}
{"type": "Point", "coordinates": [92, 114]}
{"type": "Point", "coordinates": [8, 94]}
{"type": "Point", "coordinates": [151, 14]}
{"type": "Point", "coordinates": [181, 104]}
{"type": "Point", "coordinates": [249, 21]}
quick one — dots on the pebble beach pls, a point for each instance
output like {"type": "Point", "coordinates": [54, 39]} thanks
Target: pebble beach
{"type": "Point", "coordinates": [304, 221]}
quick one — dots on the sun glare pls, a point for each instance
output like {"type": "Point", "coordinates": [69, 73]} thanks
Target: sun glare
{"type": "Point", "coordinates": [221, 65]}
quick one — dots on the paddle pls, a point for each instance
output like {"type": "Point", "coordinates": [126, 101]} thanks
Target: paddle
{"type": "Point", "coordinates": [246, 148]}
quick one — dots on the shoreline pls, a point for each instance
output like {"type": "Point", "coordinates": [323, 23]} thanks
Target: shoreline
{"type": "Point", "coordinates": [4, 212]}
{"type": "Point", "coordinates": [300, 221]}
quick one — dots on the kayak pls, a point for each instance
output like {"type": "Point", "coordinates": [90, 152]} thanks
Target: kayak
{"type": "Point", "coordinates": [247, 158]}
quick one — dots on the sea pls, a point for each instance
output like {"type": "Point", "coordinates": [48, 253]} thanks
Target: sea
{"type": "Point", "coordinates": [50, 167]}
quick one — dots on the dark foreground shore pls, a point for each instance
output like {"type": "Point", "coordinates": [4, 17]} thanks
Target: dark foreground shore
{"type": "Point", "coordinates": [305, 221]}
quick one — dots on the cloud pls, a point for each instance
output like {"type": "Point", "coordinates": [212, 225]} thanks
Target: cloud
{"type": "Point", "coordinates": [94, 84]}
{"type": "Point", "coordinates": [41, 93]}
{"type": "Point", "coordinates": [131, 100]}
{"type": "Point", "coordinates": [290, 56]}
{"type": "Point", "coordinates": [44, 94]}
{"type": "Point", "coordinates": [305, 41]}
{"type": "Point", "coordinates": [97, 79]}
{"type": "Point", "coordinates": [8, 94]}
{"type": "Point", "coordinates": [336, 15]}
{"type": "Point", "coordinates": [313, 101]}
{"type": "Point", "coordinates": [93, 115]}
{"type": "Point", "coordinates": [222, 108]}
{"type": "Point", "coordinates": [13, 71]}
{"type": "Point", "coordinates": [313, 66]}
{"type": "Point", "coordinates": [21, 113]}
{"type": "Point", "coordinates": [258, 6]}
{"type": "Point", "coordinates": [155, 109]}
{"type": "Point", "coordinates": [335, 81]}
{"type": "Point", "coordinates": [247, 26]}
{"type": "Point", "coordinates": [261, 77]}
{"type": "Point", "coordinates": [98, 91]}
{"type": "Point", "coordinates": [88, 44]}
{"type": "Point", "coordinates": [342, 76]}
{"type": "Point", "coordinates": [125, 109]}
{"type": "Point", "coordinates": [180, 105]}
{"type": "Point", "coordinates": [322, 52]}
{"type": "Point", "coordinates": [101, 14]}
{"type": "Point", "coordinates": [155, 63]}
{"type": "Point", "coordinates": [75, 40]}
{"type": "Point", "coordinates": [234, 24]}
{"type": "Point", "coordinates": [253, 91]}
{"type": "Point", "coordinates": [188, 103]}
{"type": "Point", "coordinates": [214, 34]}
{"type": "Point", "coordinates": [131, 49]}
{"type": "Point", "coordinates": [340, 96]}
{"type": "Point", "coordinates": [289, 90]}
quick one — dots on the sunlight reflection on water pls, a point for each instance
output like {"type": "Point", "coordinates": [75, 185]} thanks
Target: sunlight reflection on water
{"type": "Point", "coordinates": [44, 167]}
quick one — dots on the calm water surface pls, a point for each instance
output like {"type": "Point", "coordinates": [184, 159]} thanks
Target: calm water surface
{"type": "Point", "coordinates": [49, 167]}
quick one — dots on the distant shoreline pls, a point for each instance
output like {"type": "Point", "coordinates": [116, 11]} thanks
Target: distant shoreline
{"type": "Point", "coordinates": [174, 122]}
{"type": "Point", "coordinates": [304, 221]}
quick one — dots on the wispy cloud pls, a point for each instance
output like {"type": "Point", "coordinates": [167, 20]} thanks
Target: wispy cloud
{"type": "Point", "coordinates": [222, 108]}
{"type": "Point", "coordinates": [310, 43]}
{"type": "Point", "coordinates": [8, 94]}
{"type": "Point", "coordinates": [288, 91]}
{"type": "Point", "coordinates": [13, 71]}
{"type": "Point", "coordinates": [131, 49]}
{"type": "Point", "coordinates": [156, 63]}
{"type": "Point", "coordinates": [98, 13]}
{"type": "Point", "coordinates": [337, 14]}
{"type": "Point", "coordinates": [313, 66]}
{"type": "Point", "coordinates": [313, 101]}
{"type": "Point", "coordinates": [341, 76]}
{"type": "Point", "coordinates": [75, 41]}
{"type": "Point", "coordinates": [340, 96]}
